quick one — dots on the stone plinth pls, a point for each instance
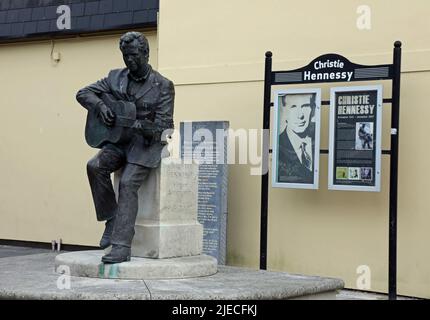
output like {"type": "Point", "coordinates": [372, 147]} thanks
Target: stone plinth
{"type": "Point", "coordinates": [166, 224]}
{"type": "Point", "coordinates": [88, 264]}
{"type": "Point", "coordinates": [168, 239]}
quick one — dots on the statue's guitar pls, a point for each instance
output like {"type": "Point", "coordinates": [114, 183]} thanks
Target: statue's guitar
{"type": "Point", "coordinates": [97, 134]}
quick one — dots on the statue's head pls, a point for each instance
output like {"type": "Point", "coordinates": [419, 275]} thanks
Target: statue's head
{"type": "Point", "coordinates": [135, 50]}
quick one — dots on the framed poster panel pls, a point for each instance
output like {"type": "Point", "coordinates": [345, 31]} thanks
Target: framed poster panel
{"type": "Point", "coordinates": [296, 139]}
{"type": "Point", "coordinates": [355, 138]}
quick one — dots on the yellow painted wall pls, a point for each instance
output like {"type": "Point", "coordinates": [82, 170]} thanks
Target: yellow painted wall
{"type": "Point", "coordinates": [214, 52]}
{"type": "Point", "coordinates": [44, 193]}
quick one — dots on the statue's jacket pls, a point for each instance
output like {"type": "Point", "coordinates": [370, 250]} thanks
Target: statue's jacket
{"type": "Point", "coordinates": [154, 99]}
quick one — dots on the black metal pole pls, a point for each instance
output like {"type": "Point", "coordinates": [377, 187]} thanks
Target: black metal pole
{"type": "Point", "coordinates": [265, 161]}
{"type": "Point", "coordinates": [392, 255]}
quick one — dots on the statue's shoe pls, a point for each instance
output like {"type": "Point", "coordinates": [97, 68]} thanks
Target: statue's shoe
{"type": "Point", "coordinates": [118, 254]}
{"type": "Point", "coordinates": [105, 241]}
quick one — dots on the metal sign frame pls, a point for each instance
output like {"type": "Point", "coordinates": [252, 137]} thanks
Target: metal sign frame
{"type": "Point", "coordinates": [336, 68]}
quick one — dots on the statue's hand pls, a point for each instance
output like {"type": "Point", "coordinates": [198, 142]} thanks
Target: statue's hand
{"type": "Point", "coordinates": [145, 127]}
{"type": "Point", "coordinates": [107, 115]}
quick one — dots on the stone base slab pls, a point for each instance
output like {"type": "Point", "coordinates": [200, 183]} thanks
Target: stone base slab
{"type": "Point", "coordinates": [34, 277]}
{"type": "Point", "coordinates": [167, 240]}
{"type": "Point", "coordinates": [88, 264]}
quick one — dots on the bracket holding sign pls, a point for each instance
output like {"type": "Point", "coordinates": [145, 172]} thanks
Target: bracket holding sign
{"type": "Point", "coordinates": [336, 68]}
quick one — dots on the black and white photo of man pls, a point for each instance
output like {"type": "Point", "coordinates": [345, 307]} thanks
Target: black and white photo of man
{"type": "Point", "coordinates": [354, 174]}
{"type": "Point", "coordinates": [296, 144]}
{"type": "Point", "coordinates": [366, 173]}
{"type": "Point", "coordinates": [364, 136]}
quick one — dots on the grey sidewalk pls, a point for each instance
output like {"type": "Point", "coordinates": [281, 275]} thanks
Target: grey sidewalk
{"type": "Point", "coordinates": [12, 251]}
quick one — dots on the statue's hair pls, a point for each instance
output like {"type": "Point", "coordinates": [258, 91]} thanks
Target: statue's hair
{"type": "Point", "coordinates": [129, 37]}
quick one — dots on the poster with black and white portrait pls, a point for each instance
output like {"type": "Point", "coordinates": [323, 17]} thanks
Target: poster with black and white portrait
{"type": "Point", "coordinates": [296, 139]}
{"type": "Point", "coordinates": [355, 138]}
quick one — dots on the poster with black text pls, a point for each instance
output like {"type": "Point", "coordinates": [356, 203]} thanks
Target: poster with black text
{"type": "Point", "coordinates": [355, 138]}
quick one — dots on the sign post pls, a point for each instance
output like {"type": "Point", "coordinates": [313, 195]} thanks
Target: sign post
{"type": "Point", "coordinates": [336, 68]}
{"type": "Point", "coordinates": [394, 167]}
